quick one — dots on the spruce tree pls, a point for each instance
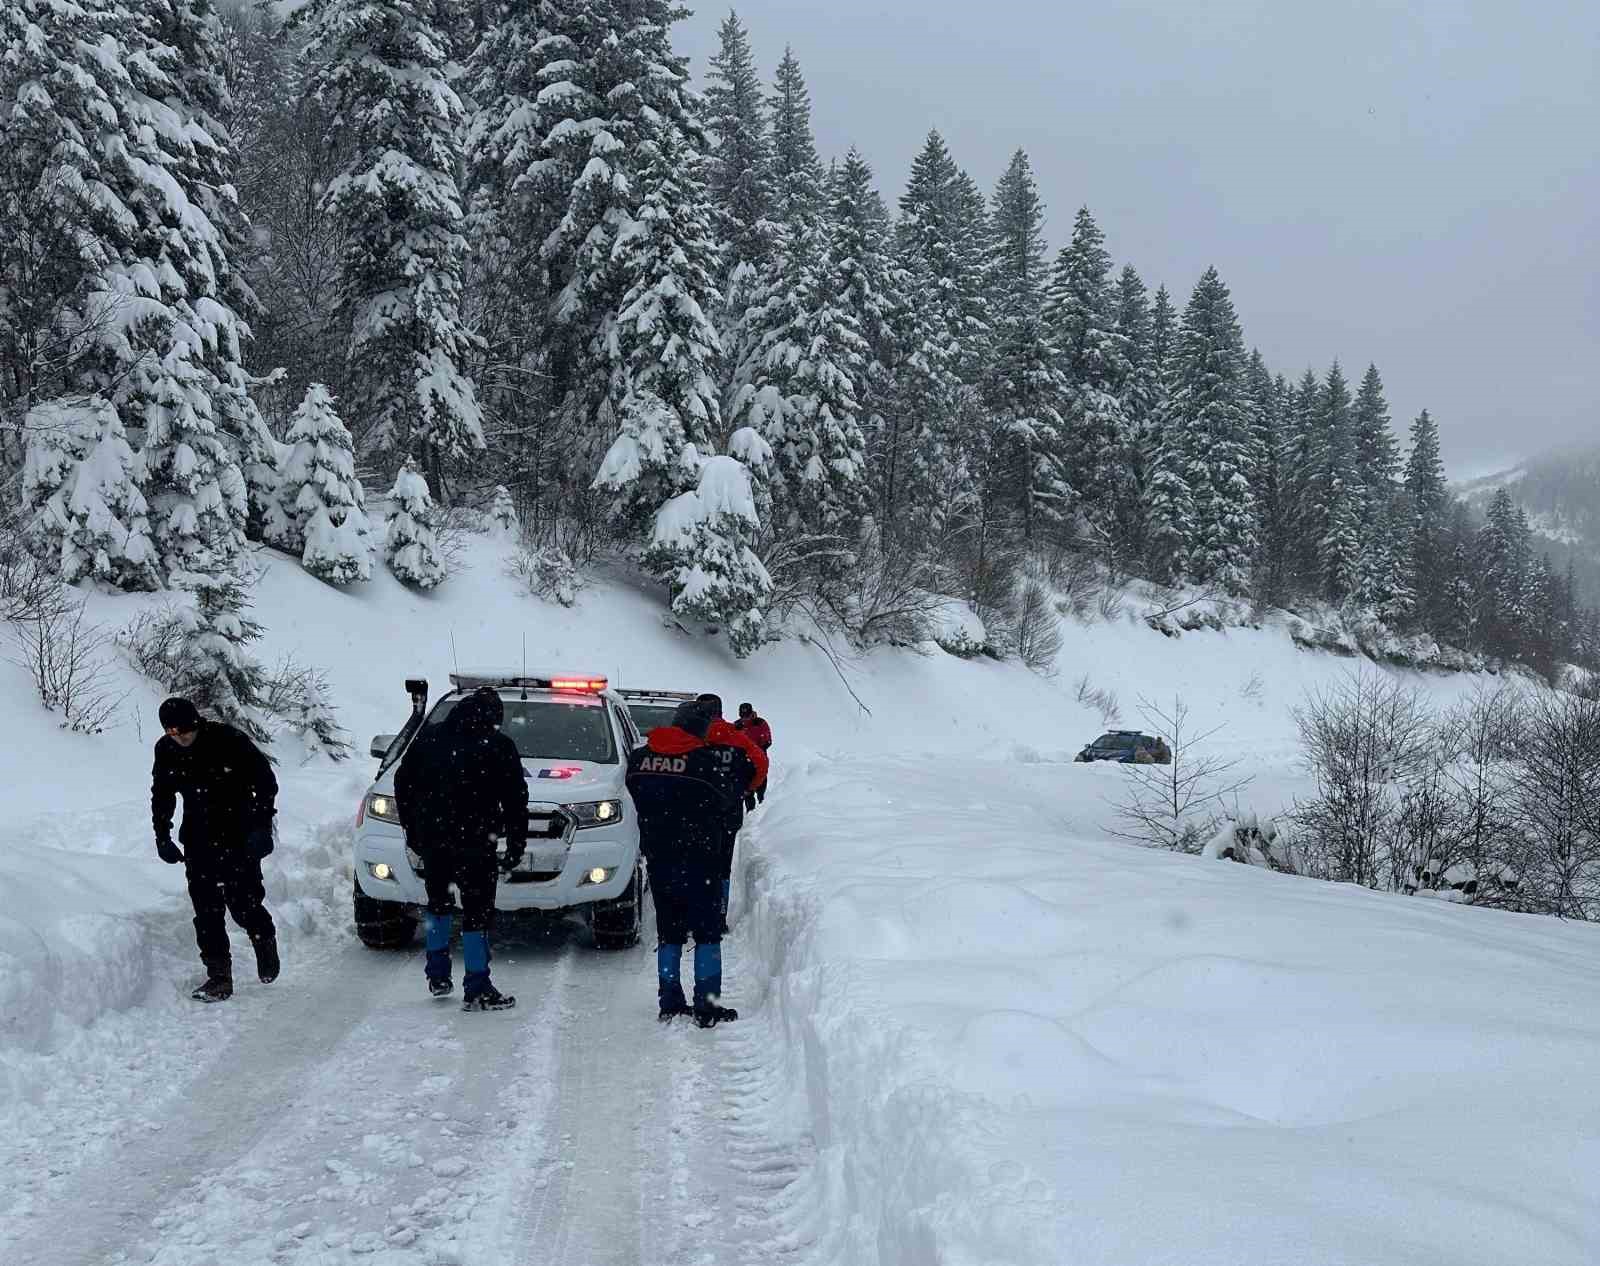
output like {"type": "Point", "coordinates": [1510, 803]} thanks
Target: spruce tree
{"type": "Point", "coordinates": [322, 499]}
{"type": "Point", "coordinates": [411, 545]}
{"type": "Point", "coordinates": [1094, 365]}
{"type": "Point", "coordinates": [1208, 408]}
{"type": "Point", "coordinates": [1428, 497]}
{"type": "Point", "coordinates": [195, 491]}
{"type": "Point", "coordinates": [739, 171]}
{"type": "Point", "coordinates": [1376, 456]}
{"type": "Point", "coordinates": [221, 676]}
{"type": "Point", "coordinates": [80, 488]}
{"type": "Point", "coordinates": [665, 348]}
{"type": "Point", "coordinates": [1024, 386]}
{"type": "Point", "coordinates": [796, 172]}
{"type": "Point", "coordinates": [382, 67]}
{"type": "Point", "coordinates": [702, 543]}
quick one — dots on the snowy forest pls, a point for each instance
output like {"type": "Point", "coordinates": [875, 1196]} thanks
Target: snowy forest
{"type": "Point", "coordinates": [508, 252]}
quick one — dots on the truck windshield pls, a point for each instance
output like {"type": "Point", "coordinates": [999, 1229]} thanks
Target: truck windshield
{"type": "Point", "coordinates": [649, 716]}
{"type": "Point", "coordinates": [551, 729]}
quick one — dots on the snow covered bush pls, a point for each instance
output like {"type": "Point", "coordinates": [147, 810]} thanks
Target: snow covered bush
{"type": "Point", "coordinates": [548, 572]}
{"type": "Point", "coordinates": [219, 673]}
{"type": "Point", "coordinates": [321, 502]}
{"type": "Point", "coordinates": [503, 513]}
{"type": "Point", "coordinates": [702, 546]}
{"type": "Point", "coordinates": [298, 697]}
{"type": "Point", "coordinates": [1252, 841]}
{"type": "Point", "coordinates": [80, 480]}
{"type": "Point", "coordinates": [411, 545]}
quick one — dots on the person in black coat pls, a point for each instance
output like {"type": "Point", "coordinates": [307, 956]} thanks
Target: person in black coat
{"type": "Point", "coordinates": [459, 784]}
{"type": "Point", "coordinates": [684, 789]}
{"type": "Point", "coordinates": [229, 798]}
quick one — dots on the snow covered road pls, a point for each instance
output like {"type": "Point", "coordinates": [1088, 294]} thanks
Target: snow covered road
{"type": "Point", "coordinates": [342, 1113]}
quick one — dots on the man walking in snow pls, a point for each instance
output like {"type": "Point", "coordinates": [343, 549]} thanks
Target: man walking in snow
{"type": "Point", "coordinates": [229, 798]}
{"type": "Point", "coordinates": [458, 785]}
{"type": "Point", "coordinates": [683, 787]}
{"type": "Point", "coordinates": [721, 734]}
{"type": "Point", "coordinates": [759, 732]}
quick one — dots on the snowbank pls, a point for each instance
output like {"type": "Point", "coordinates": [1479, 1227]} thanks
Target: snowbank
{"type": "Point", "coordinates": [1016, 1043]}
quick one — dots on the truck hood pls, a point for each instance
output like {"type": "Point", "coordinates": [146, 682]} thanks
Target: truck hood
{"type": "Point", "coordinates": [566, 781]}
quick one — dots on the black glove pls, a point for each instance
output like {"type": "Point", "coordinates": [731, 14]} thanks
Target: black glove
{"type": "Point", "coordinates": [259, 839]}
{"type": "Point", "coordinates": [514, 851]}
{"type": "Point", "coordinates": [167, 851]}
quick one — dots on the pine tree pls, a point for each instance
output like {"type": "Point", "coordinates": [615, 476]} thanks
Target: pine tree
{"type": "Point", "coordinates": [1333, 489]}
{"type": "Point", "coordinates": [1024, 387]}
{"type": "Point", "coordinates": [1428, 498]}
{"type": "Point", "coordinates": [863, 274]}
{"type": "Point", "coordinates": [703, 544]}
{"type": "Point", "coordinates": [739, 173]}
{"type": "Point", "coordinates": [1376, 456]}
{"type": "Point", "coordinates": [1208, 410]}
{"type": "Point", "coordinates": [381, 66]}
{"type": "Point", "coordinates": [665, 349]}
{"type": "Point", "coordinates": [221, 677]}
{"type": "Point", "coordinates": [322, 500]}
{"type": "Point", "coordinates": [1094, 365]}
{"type": "Point", "coordinates": [503, 512]}
{"type": "Point", "coordinates": [411, 545]}
{"type": "Point", "coordinates": [195, 492]}
{"type": "Point", "coordinates": [79, 486]}
{"type": "Point", "coordinates": [934, 214]}
{"type": "Point", "coordinates": [98, 115]}
{"type": "Point", "coordinates": [796, 171]}
{"type": "Point", "coordinates": [914, 457]}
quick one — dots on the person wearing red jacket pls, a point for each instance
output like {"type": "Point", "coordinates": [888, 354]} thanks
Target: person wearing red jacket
{"type": "Point", "coordinates": [757, 729]}
{"type": "Point", "coordinates": [721, 734]}
{"type": "Point", "coordinates": [682, 787]}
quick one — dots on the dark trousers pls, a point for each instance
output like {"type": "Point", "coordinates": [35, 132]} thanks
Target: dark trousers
{"type": "Point", "coordinates": [474, 872]}
{"type": "Point", "coordinates": [753, 798]}
{"type": "Point", "coordinates": [688, 900]}
{"type": "Point", "coordinates": [225, 882]}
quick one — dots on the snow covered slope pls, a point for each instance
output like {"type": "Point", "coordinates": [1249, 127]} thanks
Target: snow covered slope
{"type": "Point", "coordinates": [975, 1029]}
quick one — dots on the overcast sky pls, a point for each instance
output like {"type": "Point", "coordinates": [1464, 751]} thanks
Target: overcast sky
{"type": "Point", "coordinates": [1414, 183]}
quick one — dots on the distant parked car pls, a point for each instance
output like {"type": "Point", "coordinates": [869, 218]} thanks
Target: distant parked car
{"type": "Point", "coordinates": [1128, 747]}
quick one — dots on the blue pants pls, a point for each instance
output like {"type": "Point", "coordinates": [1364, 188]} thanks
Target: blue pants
{"type": "Point", "coordinates": [688, 901]}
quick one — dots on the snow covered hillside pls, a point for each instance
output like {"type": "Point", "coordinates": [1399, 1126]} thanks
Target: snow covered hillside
{"type": "Point", "coordinates": [973, 1028]}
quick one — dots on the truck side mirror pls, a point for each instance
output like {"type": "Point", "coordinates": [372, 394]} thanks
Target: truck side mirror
{"type": "Point", "coordinates": [381, 745]}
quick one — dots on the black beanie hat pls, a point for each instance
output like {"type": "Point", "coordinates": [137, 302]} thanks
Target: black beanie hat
{"type": "Point", "coordinates": [694, 717]}
{"type": "Point", "coordinates": [177, 713]}
{"type": "Point", "coordinates": [714, 702]}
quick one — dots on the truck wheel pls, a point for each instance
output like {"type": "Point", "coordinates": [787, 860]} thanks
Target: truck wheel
{"type": "Point", "coordinates": [616, 923]}
{"type": "Point", "coordinates": [382, 924]}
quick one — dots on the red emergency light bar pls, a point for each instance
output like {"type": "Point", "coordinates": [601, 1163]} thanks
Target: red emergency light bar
{"type": "Point", "coordinates": [514, 681]}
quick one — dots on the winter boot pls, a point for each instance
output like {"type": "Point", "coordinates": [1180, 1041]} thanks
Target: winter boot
{"type": "Point", "coordinates": [218, 986]}
{"type": "Point", "coordinates": [708, 987]}
{"type": "Point", "coordinates": [267, 959]}
{"type": "Point", "coordinates": [441, 986]}
{"type": "Point", "coordinates": [489, 999]}
{"type": "Point", "coordinates": [708, 1014]}
{"type": "Point", "coordinates": [673, 1003]}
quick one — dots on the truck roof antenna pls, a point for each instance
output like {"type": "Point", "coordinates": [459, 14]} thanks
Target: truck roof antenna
{"type": "Point", "coordinates": [524, 665]}
{"type": "Point", "coordinates": [455, 662]}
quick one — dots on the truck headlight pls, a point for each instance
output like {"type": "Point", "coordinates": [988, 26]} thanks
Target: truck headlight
{"type": "Point", "coordinates": [381, 871]}
{"type": "Point", "coordinates": [597, 876]}
{"type": "Point", "coordinates": [382, 807]}
{"type": "Point", "coordinates": [597, 813]}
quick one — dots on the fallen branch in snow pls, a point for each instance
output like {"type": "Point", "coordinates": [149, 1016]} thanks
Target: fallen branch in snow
{"type": "Point", "coordinates": [821, 643]}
